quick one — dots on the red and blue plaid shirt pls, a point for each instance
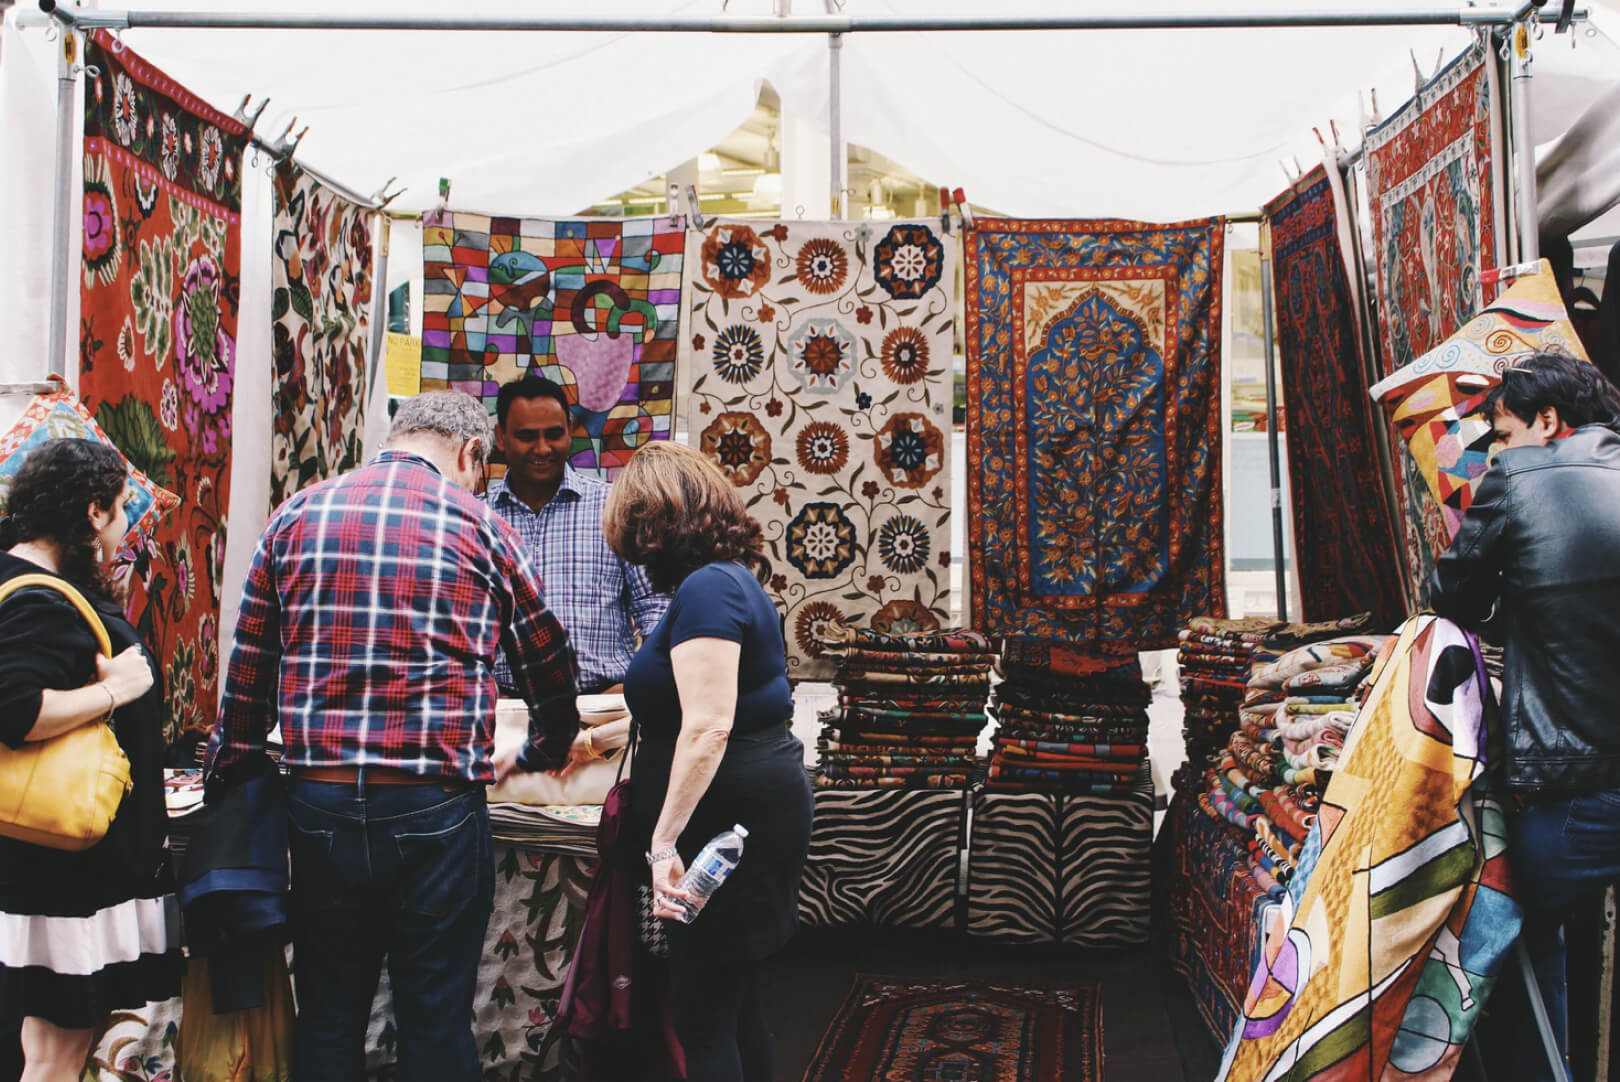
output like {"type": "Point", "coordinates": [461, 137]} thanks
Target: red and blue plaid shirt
{"type": "Point", "coordinates": [369, 626]}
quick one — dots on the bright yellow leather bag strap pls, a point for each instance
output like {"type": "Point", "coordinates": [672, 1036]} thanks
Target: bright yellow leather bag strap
{"type": "Point", "coordinates": [67, 590]}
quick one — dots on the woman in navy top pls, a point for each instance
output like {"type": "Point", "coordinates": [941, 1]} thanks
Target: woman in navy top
{"type": "Point", "coordinates": [710, 693]}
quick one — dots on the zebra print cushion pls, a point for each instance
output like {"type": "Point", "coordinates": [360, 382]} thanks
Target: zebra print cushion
{"type": "Point", "coordinates": [885, 856]}
{"type": "Point", "coordinates": [1045, 868]}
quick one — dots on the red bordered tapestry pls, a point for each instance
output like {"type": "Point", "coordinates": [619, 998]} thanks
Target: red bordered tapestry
{"type": "Point", "coordinates": [1433, 188]}
{"type": "Point", "coordinates": [1093, 429]}
{"type": "Point", "coordinates": [162, 203]}
{"type": "Point", "coordinates": [1344, 535]}
{"type": "Point", "coordinates": [320, 279]}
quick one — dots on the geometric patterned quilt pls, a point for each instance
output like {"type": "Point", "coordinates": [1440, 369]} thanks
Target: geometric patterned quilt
{"type": "Point", "coordinates": [1094, 455]}
{"type": "Point", "coordinates": [157, 356]}
{"type": "Point", "coordinates": [591, 304]}
{"type": "Point", "coordinates": [820, 355]}
{"type": "Point", "coordinates": [1380, 964]}
{"type": "Point", "coordinates": [1344, 533]}
{"type": "Point", "coordinates": [1433, 184]}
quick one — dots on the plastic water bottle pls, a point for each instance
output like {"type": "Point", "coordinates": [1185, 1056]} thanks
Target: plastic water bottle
{"type": "Point", "coordinates": [710, 868]}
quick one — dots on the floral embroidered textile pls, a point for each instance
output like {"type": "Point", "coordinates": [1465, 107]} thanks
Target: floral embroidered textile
{"type": "Point", "coordinates": [320, 276]}
{"type": "Point", "coordinates": [821, 387]}
{"type": "Point", "coordinates": [1093, 399]}
{"type": "Point", "coordinates": [162, 197]}
{"type": "Point", "coordinates": [590, 304]}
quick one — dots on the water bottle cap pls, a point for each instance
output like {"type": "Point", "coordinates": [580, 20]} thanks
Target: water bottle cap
{"type": "Point", "coordinates": [742, 831]}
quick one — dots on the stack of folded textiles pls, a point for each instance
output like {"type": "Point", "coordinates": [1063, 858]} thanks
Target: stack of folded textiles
{"type": "Point", "coordinates": [910, 710]}
{"type": "Point", "coordinates": [1069, 721]}
{"type": "Point", "coordinates": [1268, 781]}
{"type": "Point", "coordinates": [1215, 658]}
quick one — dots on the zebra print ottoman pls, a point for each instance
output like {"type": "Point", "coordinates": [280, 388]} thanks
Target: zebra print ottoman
{"type": "Point", "coordinates": [1048, 868]}
{"type": "Point", "coordinates": [884, 856]}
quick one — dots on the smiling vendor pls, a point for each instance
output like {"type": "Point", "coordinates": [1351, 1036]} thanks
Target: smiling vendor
{"type": "Point", "coordinates": [601, 600]}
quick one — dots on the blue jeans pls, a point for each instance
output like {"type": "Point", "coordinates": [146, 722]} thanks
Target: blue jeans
{"type": "Point", "coordinates": [1565, 850]}
{"type": "Point", "coordinates": [405, 872]}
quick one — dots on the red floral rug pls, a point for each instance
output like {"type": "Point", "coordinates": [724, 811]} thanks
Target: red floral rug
{"type": "Point", "coordinates": [893, 1029]}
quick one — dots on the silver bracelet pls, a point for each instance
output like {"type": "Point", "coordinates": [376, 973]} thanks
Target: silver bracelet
{"type": "Point", "coordinates": [663, 854]}
{"type": "Point", "coordinates": [112, 702]}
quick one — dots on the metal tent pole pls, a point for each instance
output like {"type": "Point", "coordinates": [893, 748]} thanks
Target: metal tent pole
{"type": "Point", "coordinates": [1125, 18]}
{"type": "Point", "coordinates": [1524, 148]}
{"type": "Point", "coordinates": [67, 139]}
{"type": "Point", "coordinates": [1273, 443]}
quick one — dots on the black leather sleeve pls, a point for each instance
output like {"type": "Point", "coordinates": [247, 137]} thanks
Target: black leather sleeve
{"type": "Point", "coordinates": [1468, 577]}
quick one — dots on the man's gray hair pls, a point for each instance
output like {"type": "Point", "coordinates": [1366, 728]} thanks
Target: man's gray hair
{"type": "Point", "coordinates": [451, 415]}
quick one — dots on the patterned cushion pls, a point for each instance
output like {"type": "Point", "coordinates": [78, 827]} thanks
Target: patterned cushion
{"type": "Point", "coordinates": [1431, 398]}
{"type": "Point", "coordinates": [61, 415]}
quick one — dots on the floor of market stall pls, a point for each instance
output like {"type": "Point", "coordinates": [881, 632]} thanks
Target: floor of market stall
{"type": "Point", "coordinates": [1150, 1030]}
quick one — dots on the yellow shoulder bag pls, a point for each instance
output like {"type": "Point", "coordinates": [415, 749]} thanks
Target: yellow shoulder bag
{"type": "Point", "coordinates": [63, 793]}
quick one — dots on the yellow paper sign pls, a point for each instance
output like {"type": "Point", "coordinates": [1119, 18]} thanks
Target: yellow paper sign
{"type": "Point", "coordinates": [404, 361]}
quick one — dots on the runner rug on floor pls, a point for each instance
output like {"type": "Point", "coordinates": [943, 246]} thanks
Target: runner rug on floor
{"type": "Point", "coordinates": [894, 1029]}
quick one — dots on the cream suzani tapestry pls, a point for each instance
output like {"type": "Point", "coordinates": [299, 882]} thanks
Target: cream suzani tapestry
{"type": "Point", "coordinates": [820, 355]}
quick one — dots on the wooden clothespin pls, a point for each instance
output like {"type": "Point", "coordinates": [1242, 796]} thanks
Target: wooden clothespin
{"type": "Point", "coordinates": [962, 208]}
{"type": "Point", "coordinates": [382, 198]}
{"type": "Point", "coordinates": [672, 202]}
{"type": "Point", "coordinates": [242, 116]}
{"type": "Point", "coordinates": [693, 210]}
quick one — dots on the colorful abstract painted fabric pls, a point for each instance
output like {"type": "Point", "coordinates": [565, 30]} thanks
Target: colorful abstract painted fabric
{"type": "Point", "coordinates": [821, 386]}
{"type": "Point", "coordinates": [592, 304]}
{"type": "Point", "coordinates": [157, 357]}
{"type": "Point", "coordinates": [1431, 399]}
{"type": "Point", "coordinates": [1345, 535]}
{"type": "Point", "coordinates": [1433, 186]}
{"type": "Point", "coordinates": [320, 276]}
{"type": "Point", "coordinates": [60, 415]}
{"type": "Point", "coordinates": [1093, 428]}
{"type": "Point", "coordinates": [1386, 962]}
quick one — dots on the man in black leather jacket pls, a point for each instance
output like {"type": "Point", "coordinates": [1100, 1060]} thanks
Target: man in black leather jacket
{"type": "Point", "coordinates": [1536, 566]}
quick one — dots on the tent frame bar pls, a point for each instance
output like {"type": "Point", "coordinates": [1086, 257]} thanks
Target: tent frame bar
{"type": "Point", "coordinates": [1124, 19]}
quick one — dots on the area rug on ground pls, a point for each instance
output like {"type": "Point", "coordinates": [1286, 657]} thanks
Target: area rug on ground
{"type": "Point", "coordinates": [896, 1029]}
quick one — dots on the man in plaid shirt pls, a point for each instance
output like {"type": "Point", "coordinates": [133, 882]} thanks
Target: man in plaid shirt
{"type": "Point", "coordinates": [369, 625]}
{"type": "Point", "coordinates": [601, 600]}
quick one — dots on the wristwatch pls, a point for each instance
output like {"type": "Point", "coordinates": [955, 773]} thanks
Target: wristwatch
{"type": "Point", "coordinates": [662, 854]}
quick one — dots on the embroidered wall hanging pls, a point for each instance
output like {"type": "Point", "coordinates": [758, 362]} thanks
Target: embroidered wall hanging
{"type": "Point", "coordinates": [1344, 536]}
{"type": "Point", "coordinates": [821, 386]}
{"type": "Point", "coordinates": [1433, 188]}
{"type": "Point", "coordinates": [320, 276]}
{"type": "Point", "coordinates": [1093, 429]}
{"type": "Point", "coordinates": [162, 203]}
{"type": "Point", "coordinates": [593, 304]}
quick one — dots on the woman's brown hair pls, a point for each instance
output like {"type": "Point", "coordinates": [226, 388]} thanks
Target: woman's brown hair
{"type": "Point", "coordinates": [672, 511]}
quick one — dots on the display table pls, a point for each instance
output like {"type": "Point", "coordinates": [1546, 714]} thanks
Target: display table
{"type": "Point", "coordinates": [1047, 868]}
{"type": "Point", "coordinates": [539, 904]}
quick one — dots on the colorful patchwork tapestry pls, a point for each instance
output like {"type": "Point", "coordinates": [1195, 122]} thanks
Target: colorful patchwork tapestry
{"type": "Point", "coordinates": [1433, 186]}
{"type": "Point", "coordinates": [1432, 398]}
{"type": "Point", "coordinates": [821, 385]}
{"type": "Point", "coordinates": [1385, 964]}
{"type": "Point", "coordinates": [60, 415]}
{"type": "Point", "coordinates": [592, 304]}
{"type": "Point", "coordinates": [1093, 429]}
{"type": "Point", "coordinates": [157, 354]}
{"type": "Point", "coordinates": [900, 1028]}
{"type": "Point", "coordinates": [1343, 531]}
{"type": "Point", "coordinates": [320, 276]}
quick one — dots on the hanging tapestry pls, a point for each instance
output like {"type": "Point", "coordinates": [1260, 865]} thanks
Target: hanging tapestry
{"type": "Point", "coordinates": [157, 340]}
{"type": "Point", "coordinates": [60, 415]}
{"type": "Point", "coordinates": [1381, 965]}
{"type": "Point", "coordinates": [320, 307]}
{"type": "Point", "coordinates": [821, 385]}
{"type": "Point", "coordinates": [1093, 429]}
{"type": "Point", "coordinates": [1433, 398]}
{"type": "Point", "coordinates": [1433, 188]}
{"type": "Point", "coordinates": [1344, 536]}
{"type": "Point", "coordinates": [591, 304]}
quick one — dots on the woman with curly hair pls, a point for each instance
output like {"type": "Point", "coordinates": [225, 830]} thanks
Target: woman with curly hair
{"type": "Point", "coordinates": [82, 934]}
{"type": "Point", "coordinates": [709, 691]}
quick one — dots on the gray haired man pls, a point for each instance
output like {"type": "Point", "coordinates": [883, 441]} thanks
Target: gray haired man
{"type": "Point", "coordinates": [370, 620]}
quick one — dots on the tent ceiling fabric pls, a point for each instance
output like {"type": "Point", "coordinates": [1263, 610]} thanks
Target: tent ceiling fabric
{"type": "Point", "coordinates": [1159, 124]}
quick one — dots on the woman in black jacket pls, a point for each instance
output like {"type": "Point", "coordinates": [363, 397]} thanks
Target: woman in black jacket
{"type": "Point", "coordinates": [82, 934]}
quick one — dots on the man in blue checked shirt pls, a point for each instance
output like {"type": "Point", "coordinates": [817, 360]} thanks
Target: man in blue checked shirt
{"type": "Point", "coordinates": [602, 601]}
